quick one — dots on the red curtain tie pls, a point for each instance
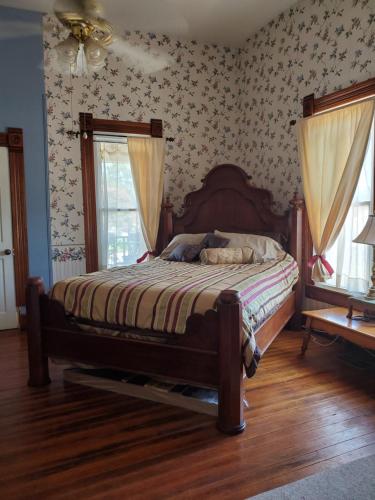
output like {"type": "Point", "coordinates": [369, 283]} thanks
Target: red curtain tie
{"type": "Point", "coordinates": [144, 256]}
{"type": "Point", "coordinates": [312, 260]}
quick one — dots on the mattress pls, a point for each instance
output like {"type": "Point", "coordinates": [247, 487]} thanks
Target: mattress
{"type": "Point", "coordinates": [160, 295]}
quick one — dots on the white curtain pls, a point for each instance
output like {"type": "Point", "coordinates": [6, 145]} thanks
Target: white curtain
{"type": "Point", "coordinates": [147, 164]}
{"type": "Point", "coordinates": [352, 261]}
{"type": "Point", "coordinates": [101, 204]}
{"type": "Point", "coordinates": [120, 238]}
{"type": "Point", "coordinates": [332, 148]}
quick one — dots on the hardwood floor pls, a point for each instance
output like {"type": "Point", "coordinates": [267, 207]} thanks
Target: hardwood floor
{"type": "Point", "coordinates": [306, 414]}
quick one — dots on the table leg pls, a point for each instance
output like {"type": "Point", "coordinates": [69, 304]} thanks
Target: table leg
{"type": "Point", "coordinates": [307, 336]}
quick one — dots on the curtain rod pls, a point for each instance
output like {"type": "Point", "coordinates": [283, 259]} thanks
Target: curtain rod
{"type": "Point", "coordinates": [125, 136]}
{"type": "Point", "coordinates": [337, 107]}
{"type": "Point", "coordinates": [76, 134]}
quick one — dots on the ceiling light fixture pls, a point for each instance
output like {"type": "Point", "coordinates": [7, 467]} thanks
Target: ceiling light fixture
{"type": "Point", "coordinates": [84, 49]}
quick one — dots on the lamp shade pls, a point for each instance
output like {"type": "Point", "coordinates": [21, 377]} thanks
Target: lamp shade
{"type": "Point", "coordinates": [95, 54]}
{"type": "Point", "coordinates": [367, 235]}
{"type": "Point", "coordinates": [67, 50]}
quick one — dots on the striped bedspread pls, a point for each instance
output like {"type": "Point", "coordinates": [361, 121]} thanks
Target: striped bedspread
{"type": "Point", "coordinates": [161, 295]}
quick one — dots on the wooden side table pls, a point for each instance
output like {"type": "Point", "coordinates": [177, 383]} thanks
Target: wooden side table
{"type": "Point", "coordinates": [334, 322]}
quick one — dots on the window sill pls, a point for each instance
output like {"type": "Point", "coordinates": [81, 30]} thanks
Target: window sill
{"type": "Point", "coordinates": [330, 295]}
{"type": "Point", "coordinates": [332, 288]}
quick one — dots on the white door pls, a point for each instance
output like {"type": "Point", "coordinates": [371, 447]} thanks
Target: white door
{"type": "Point", "coordinates": [8, 310]}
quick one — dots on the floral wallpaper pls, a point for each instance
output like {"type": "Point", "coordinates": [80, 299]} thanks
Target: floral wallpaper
{"type": "Point", "coordinates": [219, 104]}
{"type": "Point", "coordinates": [68, 253]}
{"type": "Point", "coordinates": [316, 47]}
{"type": "Point", "coordinates": [196, 97]}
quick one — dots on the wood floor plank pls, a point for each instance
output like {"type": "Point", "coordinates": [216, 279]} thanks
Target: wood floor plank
{"type": "Point", "coordinates": [209, 471]}
{"type": "Point", "coordinates": [306, 414]}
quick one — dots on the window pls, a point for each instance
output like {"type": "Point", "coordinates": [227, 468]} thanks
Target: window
{"type": "Point", "coordinates": [92, 131]}
{"type": "Point", "coordinates": [120, 239]}
{"type": "Point", "coordinates": [352, 262]}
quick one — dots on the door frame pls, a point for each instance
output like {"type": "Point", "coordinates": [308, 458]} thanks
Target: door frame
{"type": "Point", "coordinates": [13, 140]}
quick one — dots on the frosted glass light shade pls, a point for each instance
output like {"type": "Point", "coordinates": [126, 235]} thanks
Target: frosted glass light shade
{"type": "Point", "coordinates": [67, 50]}
{"type": "Point", "coordinates": [79, 58]}
{"type": "Point", "coordinates": [95, 54]}
{"type": "Point", "coordinates": [367, 235]}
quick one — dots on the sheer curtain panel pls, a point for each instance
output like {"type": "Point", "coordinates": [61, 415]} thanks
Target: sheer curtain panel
{"type": "Point", "coordinates": [101, 204]}
{"type": "Point", "coordinates": [120, 237]}
{"type": "Point", "coordinates": [352, 261]}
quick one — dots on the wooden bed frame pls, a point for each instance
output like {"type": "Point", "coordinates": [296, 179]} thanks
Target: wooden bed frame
{"type": "Point", "coordinates": [209, 354]}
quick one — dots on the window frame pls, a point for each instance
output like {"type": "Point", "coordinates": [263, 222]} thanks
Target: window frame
{"type": "Point", "coordinates": [89, 126]}
{"type": "Point", "coordinates": [311, 107]}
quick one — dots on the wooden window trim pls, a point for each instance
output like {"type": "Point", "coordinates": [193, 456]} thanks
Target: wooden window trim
{"type": "Point", "coordinates": [13, 140]}
{"type": "Point", "coordinates": [312, 106]}
{"type": "Point", "coordinates": [89, 125]}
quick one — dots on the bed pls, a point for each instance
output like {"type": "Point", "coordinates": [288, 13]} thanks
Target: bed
{"type": "Point", "coordinates": [201, 345]}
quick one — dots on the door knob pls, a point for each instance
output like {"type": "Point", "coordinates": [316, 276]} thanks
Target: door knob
{"type": "Point", "coordinates": [8, 251]}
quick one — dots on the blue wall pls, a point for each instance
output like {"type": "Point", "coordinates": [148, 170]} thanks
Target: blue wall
{"type": "Point", "coordinates": [21, 105]}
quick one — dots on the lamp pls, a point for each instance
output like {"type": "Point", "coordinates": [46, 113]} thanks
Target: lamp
{"type": "Point", "coordinates": [367, 237]}
{"type": "Point", "coordinates": [365, 303]}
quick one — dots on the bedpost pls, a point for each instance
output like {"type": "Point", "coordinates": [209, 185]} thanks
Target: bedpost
{"type": "Point", "coordinates": [296, 246]}
{"type": "Point", "coordinates": [38, 361]}
{"type": "Point", "coordinates": [231, 418]}
{"type": "Point", "coordinates": [166, 225]}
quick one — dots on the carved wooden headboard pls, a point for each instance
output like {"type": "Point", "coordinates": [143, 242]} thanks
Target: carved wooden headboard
{"type": "Point", "coordinates": [227, 202]}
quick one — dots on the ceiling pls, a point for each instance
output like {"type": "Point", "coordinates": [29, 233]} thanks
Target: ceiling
{"type": "Point", "coordinates": [225, 22]}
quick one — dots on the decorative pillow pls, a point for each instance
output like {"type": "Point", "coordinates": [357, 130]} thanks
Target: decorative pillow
{"type": "Point", "coordinates": [189, 239]}
{"type": "Point", "coordinates": [211, 240]}
{"type": "Point", "coordinates": [244, 255]}
{"type": "Point", "coordinates": [185, 253]}
{"type": "Point", "coordinates": [265, 248]}
{"type": "Point", "coordinates": [279, 237]}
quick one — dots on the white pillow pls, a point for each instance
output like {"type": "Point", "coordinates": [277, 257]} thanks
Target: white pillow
{"type": "Point", "coordinates": [265, 248]}
{"type": "Point", "coordinates": [189, 239]}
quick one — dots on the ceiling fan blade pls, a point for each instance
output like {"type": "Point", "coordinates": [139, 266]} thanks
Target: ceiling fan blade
{"type": "Point", "coordinates": [87, 7]}
{"type": "Point", "coordinates": [138, 57]}
{"type": "Point", "coordinates": [18, 29]}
